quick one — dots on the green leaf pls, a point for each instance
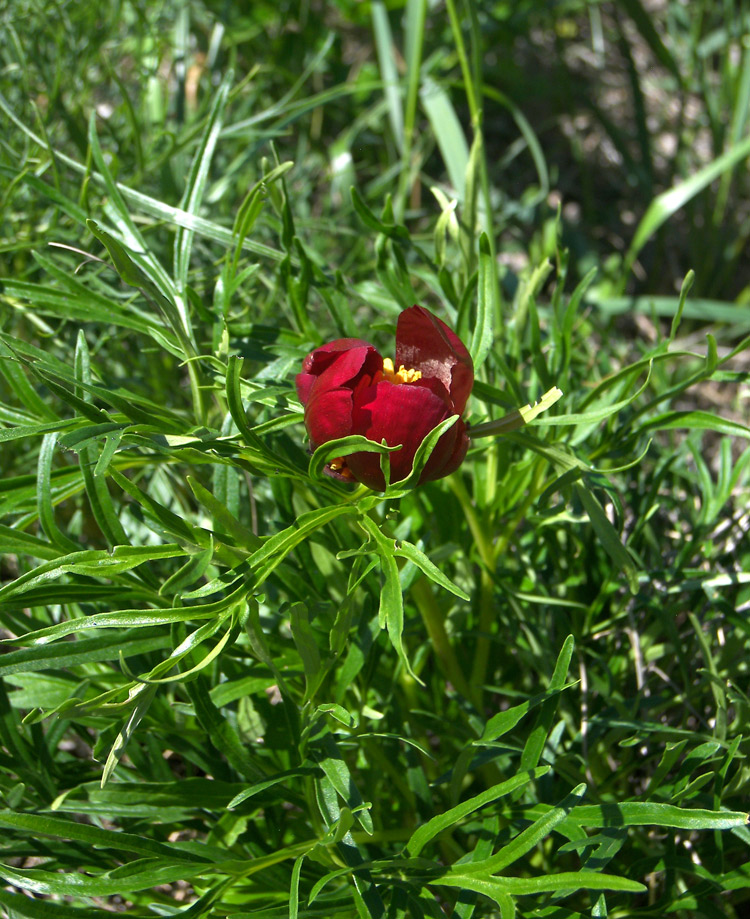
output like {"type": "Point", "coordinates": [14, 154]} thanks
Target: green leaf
{"type": "Point", "coordinates": [16, 541]}
{"type": "Point", "coordinates": [132, 274]}
{"type": "Point", "coordinates": [447, 130]}
{"type": "Point", "coordinates": [505, 721]}
{"type": "Point", "coordinates": [488, 305]}
{"type": "Point", "coordinates": [177, 527]}
{"type": "Point", "coordinates": [45, 825]}
{"type": "Point", "coordinates": [84, 307]}
{"type": "Point", "coordinates": [696, 420]}
{"type": "Point", "coordinates": [222, 734]}
{"type": "Point", "coordinates": [223, 519]}
{"type": "Point", "coordinates": [596, 414]}
{"type": "Point", "coordinates": [530, 837]}
{"type": "Point", "coordinates": [111, 443]}
{"type": "Point", "coordinates": [645, 813]}
{"type": "Point", "coordinates": [328, 756]}
{"type": "Point", "coordinates": [684, 291]}
{"type": "Point", "coordinates": [669, 202]}
{"type": "Point", "coordinates": [12, 370]}
{"type": "Point", "coordinates": [92, 562]}
{"type": "Point", "coordinates": [34, 430]}
{"type": "Point", "coordinates": [130, 618]}
{"type": "Point", "coordinates": [645, 22]}
{"type": "Point", "coordinates": [21, 905]}
{"type": "Point", "coordinates": [699, 308]}
{"type": "Point", "coordinates": [535, 742]}
{"type": "Point", "coordinates": [294, 888]}
{"type": "Point", "coordinates": [196, 186]}
{"type": "Point", "coordinates": [409, 551]}
{"type": "Point", "coordinates": [450, 818]}
{"type": "Point", "coordinates": [391, 609]}
{"type": "Point", "coordinates": [257, 787]}
{"type": "Point", "coordinates": [96, 487]}
{"type": "Point", "coordinates": [148, 205]}
{"type": "Point", "coordinates": [236, 408]}
{"type": "Point", "coordinates": [607, 535]}
{"type": "Point", "coordinates": [343, 446]}
{"type": "Point", "coordinates": [421, 457]}
{"type": "Point", "coordinates": [117, 751]}
{"type": "Point", "coordinates": [387, 63]}
{"type": "Point", "coordinates": [304, 640]}
{"type": "Point", "coordinates": [189, 644]}
{"type": "Point", "coordinates": [557, 883]}
{"type": "Point", "coordinates": [73, 884]}
{"type": "Point", "coordinates": [391, 230]}
{"type": "Point", "coordinates": [44, 496]}
{"type": "Point", "coordinates": [274, 550]}
{"type": "Point", "coordinates": [82, 651]}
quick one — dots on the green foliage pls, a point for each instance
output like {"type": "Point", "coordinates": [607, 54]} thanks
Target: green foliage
{"type": "Point", "coordinates": [233, 687]}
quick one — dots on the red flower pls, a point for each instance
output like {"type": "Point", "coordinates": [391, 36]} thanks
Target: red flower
{"type": "Point", "coordinates": [347, 388]}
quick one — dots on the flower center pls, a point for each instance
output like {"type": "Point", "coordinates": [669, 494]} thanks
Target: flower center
{"type": "Point", "coordinates": [339, 467]}
{"type": "Point", "coordinates": [402, 375]}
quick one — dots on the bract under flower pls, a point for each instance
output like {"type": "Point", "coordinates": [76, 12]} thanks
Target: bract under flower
{"type": "Point", "coordinates": [347, 388]}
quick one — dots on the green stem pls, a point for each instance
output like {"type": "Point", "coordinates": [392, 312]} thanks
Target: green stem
{"type": "Point", "coordinates": [474, 107]}
{"type": "Point", "coordinates": [486, 620]}
{"type": "Point", "coordinates": [491, 474]}
{"type": "Point", "coordinates": [473, 87]}
{"type": "Point", "coordinates": [196, 390]}
{"type": "Point", "coordinates": [432, 616]}
{"type": "Point", "coordinates": [488, 555]}
{"type": "Point", "coordinates": [484, 546]}
{"type": "Point", "coordinates": [486, 605]}
{"type": "Point", "coordinates": [413, 59]}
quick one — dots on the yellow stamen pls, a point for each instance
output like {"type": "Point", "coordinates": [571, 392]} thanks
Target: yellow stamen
{"type": "Point", "coordinates": [402, 375]}
{"type": "Point", "coordinates": [339, 466]}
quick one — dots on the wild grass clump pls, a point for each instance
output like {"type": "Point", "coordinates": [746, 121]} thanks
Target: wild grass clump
{"type": "Point", "coordinates": [233, 686]}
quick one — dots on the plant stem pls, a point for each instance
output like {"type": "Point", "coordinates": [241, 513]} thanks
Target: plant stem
{"type": "Point", "coordinates": [432, 616]}
{"type": "Point", "coordinates": [484, 546]}
{"type": "Point", "coordinates": [474, 98]}
{"type": "Point", "coordinates": [415, 38]}
{"type": "Point", "coordinates": [488, 555]}
{"type": "Point", "coordinates": [471, 97]}
{"type": "Point", "coordinates": [486, 619]}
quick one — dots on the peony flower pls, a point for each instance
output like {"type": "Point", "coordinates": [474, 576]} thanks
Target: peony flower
{"type": "Point", "coordinates": [347, 388]}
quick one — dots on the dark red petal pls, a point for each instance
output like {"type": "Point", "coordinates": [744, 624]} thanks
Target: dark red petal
{"type": "Point", "coordinates": [347, 368]}
{"type": "Point", "coordinates": [400, 414]}
{"type": "Point", "coordinates": [440, 455]}
{"type": "Point", "coordinates": [328, 415]}
{"type": "Point", "coordinates": [427, 344]}
{"type": "Point", "coordinates": [317, 360]}
{"type": "Point", "coordinates": [435, 469]}
{"type": "Point", "coordinates": [304, 383]}
{"type": "Point", "coordinates": [337, 367]}
{"type": "Point", "coordinates": [435, 386]}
